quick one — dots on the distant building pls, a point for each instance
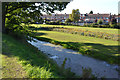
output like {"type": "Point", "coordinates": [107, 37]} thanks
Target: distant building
{"type": "Point", "coordinates": [84, 18]}
{"type": "Point", "coordinates": [56, 17]}
{"type": "Point", "coordinates": [93, 18]}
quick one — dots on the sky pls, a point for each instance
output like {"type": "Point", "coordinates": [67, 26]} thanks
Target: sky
{"type": "Point", "coordinates": [97, 6]}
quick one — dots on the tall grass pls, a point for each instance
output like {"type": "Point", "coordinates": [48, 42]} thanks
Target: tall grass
{"type": "Point", "coordinates": [106, 50]}
{"type": "Point", "coordinates": [35, 63]}
{"type": "Point", "coordinates": [106, 30]}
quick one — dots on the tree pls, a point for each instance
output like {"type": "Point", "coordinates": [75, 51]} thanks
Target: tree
{"type": "Point", "coordinates": [91, 12]}
{"type": "Point", "coordinates": [96, 20]}
{"type": "Point", "coordinates": [75, 16]}
{"type": "Point", "coordinates": [100, 21]}
{"type": "Point", "coordinates": [114, 21]}
{"type": "Point", "coordinates": [14, 13]}
{"type": "Point", "coordinates": [70, 17]}
{"type": "Point", "coordinates": [67, 20]}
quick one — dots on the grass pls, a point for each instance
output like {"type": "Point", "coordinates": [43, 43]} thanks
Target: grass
{"type": "Point", "coordinates": [28, 60]}
{"type": "Point", "coordinates": [106, 50]}
{"type": "Point", "coordinates": [107, 30]}
{"type": "Point", "coordinates": [12, 69]}
{"type": "Point", "coordinates": [0, 55]}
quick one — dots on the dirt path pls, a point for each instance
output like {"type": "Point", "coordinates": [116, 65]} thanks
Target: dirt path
{"type": "Point", "coordinates": [76, 61]}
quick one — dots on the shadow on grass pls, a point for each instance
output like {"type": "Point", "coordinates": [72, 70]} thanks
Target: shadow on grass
{"type": "Point", "coordinates": [98, 51]}
{"type": "Point", "coordinates": [38, 33]}
{"type": "Point", "coordinates": [36, 64]}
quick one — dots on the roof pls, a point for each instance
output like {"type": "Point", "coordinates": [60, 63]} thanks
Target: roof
{"type": "Point", "coordinates": [55, 15]}
{"type": "Point", "coordinates": [97, 15]}
{"type": "Point", "coordinates": [82, 15]}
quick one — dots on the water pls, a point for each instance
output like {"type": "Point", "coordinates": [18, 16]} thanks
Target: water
{"type": "Point", "coordinates": [77, 61]}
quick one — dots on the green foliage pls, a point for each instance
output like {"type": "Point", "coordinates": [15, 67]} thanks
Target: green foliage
{"type": "Point", "coordinates": [91, 12]}
{"type": "Point", "coordinates": [75, 16]}
{"type": "Point", "coordinates": [86, 73]}
{"type": "Point", "coordinates": [34, 62]}
{"type": "Point", "coordinates": [68, 20]}
{"type": "Point", "coordinates": [64, 62]}
{"type": "Point", "coordinates": [94, 47]}
{"type": "Point", "coordinates": [114, 21]}
{"type": "Point", "coordinates": [10, 67]}
{"type": "Point", "coordinates": [22, 12]}
{"type": "Point", "coordinates": [87, 33]}
{"type": "Point", "coordinates": [100, 21]}
{"type": "Point", "coordinates": [70, 17]}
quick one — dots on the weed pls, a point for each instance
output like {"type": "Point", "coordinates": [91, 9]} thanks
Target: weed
{"type": "Point", "coordinates": [34, 62]}
{"type": "Point", "coordinates": [86, 73]}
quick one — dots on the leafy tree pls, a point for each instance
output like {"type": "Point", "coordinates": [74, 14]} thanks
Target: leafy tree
{"type": "Point", "coordinates": [91, 12]}
{"type": "Point", "coordinates": [75, 16]}
{"type": "Point", "coordinates": [70, 17]}
{"type": "Point", "coordinates": [67, 20]}
{"type": "Point", "coordinates": [114, 21]}
{"type": "Point", "coordinates": [14, 13]}
{"type": "Point", "coordinates": [100, 21]}
{"type": "Point", "coordinates": [96, 20]}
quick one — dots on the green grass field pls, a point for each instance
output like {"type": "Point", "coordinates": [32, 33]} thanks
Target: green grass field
{"type": "Point", "coordinates": [20, 59]}
{"type": "Point", "coordinates": [104, 49]}
{"type": "Point", "coordinates": [106, 30]}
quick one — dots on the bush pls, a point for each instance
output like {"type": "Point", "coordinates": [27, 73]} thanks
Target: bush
{"type": "Point", "coordinates": [55, 42]}
{"type": "Point", "coordinates": [100, 21]}
{"type": "Point", "coordinates": [114, 26]}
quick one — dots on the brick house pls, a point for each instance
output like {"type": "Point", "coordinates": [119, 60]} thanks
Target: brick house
{"type": "Point", "coordinates": [93, 18]}
{"type": "Point", "coordinates": [56, 17]}
{"type": "Point", "coordinates": [84, 18]}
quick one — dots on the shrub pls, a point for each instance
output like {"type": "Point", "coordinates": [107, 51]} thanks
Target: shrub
{"type": "Point", "coordinates": [66, 46]}
{"type": "Point", "coordinates": [100, 21]}
{"type": "Point", "coordinates": [86, 73]}
{"type": "Point", "coordinates": [54, 42]}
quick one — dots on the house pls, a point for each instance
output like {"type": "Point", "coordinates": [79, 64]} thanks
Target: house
{"type": "Point", "coordinates": [93, 18]}
{"type": "Point", "coordinates": [84, 18]}
{"type": "Point", "coordinates": [56, 17]}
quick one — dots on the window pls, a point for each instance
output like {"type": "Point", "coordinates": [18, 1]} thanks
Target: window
{"type": "Point", "coordinates": [106, 21]}
{"type": "Point", "coordinates": [106, 17]}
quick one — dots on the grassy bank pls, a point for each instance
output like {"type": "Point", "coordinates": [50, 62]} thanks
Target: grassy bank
{"type": "Point", "coordinates": [106, 50]}
{"type": "Point", "coordinates": [11, 69]}
{"type": "Point", "coordinates": [34, 64]}
{"type": "Point", "coordinates": [106, 30]}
